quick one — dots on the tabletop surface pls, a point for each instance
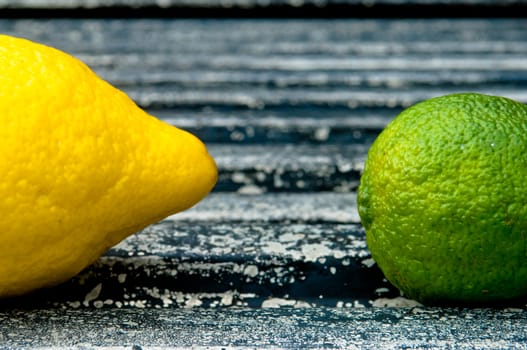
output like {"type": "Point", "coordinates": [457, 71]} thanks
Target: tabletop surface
{"type": "Point", "coordinates": [275, 256]}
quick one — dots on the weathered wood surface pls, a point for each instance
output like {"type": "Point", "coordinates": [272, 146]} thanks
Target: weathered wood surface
{"type": "Point", "coordinates": [288, 109]}
{"type": "Point", "coordinates": [316, 328]}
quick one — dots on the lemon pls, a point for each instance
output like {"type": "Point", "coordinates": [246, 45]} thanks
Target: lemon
{"type": "Point", "coordinates": [81, 166]}
{"type": "Point", "coordinates": [443, 200]}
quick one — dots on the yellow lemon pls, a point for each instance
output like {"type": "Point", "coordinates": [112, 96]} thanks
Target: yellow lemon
{"type": "Point", "coordinates": [443, 199]}
{"type": "Point", "coordinates": [81, 167]}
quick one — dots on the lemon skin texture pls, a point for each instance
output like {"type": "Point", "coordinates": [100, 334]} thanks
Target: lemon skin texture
{"type": "Point", "coordinates": [81, 167]}
{"type": "Point", "coordinates": [443, 200]}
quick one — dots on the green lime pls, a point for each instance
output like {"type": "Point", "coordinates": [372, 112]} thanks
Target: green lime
{"type": "Point", "coordinates": [443, 199]}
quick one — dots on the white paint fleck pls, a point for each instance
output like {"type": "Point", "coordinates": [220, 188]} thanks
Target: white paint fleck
{"type": "Point", "coordinates": [313, 252]}
{"type": "Point", "coordinates": [75, 304]}
{"type": "Point", "coordinates": [277, 179]}
{"type": "Point", "coordinates": [237, 136]}
{"type": "Point", "coordinates": [250, 190]}
{"type": "Point", "coordinates": [291, 237]}
{"type": "Point", "coordinates": [368, 262]}
{"type": "Point", "coordinates": [382, 290]}
{"type": "Point", "coordinates": [239, 177]}
{"type": "Point", "coordinates": [345, 167]}
{"type": "Point", "coordinates": [357, 304]}
{"type": "Point", "coordinates": [193, 301]}
{"type": "Point", "coordinates": [395, 302]}
{"type": "Point", "coordinates": [121, 278]}
{"type": "Point", "coordinates": [300, 184]}
{"type": "Point", "coordinates": [419, 310]}
{"type": "Point", "coordinates": [251, 271]}
{"type": "Point", "coordinates": [92, 295]}
{"type": "Point", "coordinates": [141, 304]}
{"type": "Point", "coordinates": [322, 134]}
{"type": "Point", "coordinates": [227, 298]}
{"type": "Point", "coordinates": [277, 302]}
{"type": "Point", "coordinates": [274, 248]}
{"type": "Point", "coordinates": [299, 304]}
{"type": "Point", "coordinates": [339, 254]}
{"type": "Point", "coordinates": [180, 297]}
{"type": "Point", "coordinates": [333, 270]}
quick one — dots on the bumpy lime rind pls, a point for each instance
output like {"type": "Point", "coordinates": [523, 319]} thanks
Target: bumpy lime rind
{"type": "Point", "coordinates": [443, 199]}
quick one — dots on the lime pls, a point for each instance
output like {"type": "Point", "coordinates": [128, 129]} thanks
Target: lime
{"type": "Point", "coordinates": [443, 199]}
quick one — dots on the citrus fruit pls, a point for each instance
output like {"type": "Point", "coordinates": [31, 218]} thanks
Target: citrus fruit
{"type": "Point", "coordinates": [81, 166]}
{"type": "Point", "coordinates": [443, 199]}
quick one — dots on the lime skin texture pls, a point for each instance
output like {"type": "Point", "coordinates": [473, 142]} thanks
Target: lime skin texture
{"type": "Point", "coordinates": [443, 200]}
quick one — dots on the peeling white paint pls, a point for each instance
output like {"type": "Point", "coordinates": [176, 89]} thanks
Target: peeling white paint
{"type": "Point", "coordinates": [93, 294]}
{"type": "Point", "coordinates": [395, 302]}
{"type": "Point", "coordinates": [312, 252]}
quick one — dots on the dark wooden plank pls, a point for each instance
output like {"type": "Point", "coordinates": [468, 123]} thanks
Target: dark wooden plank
{"type": "Point", "coordinates": [209, 265]}
{"type": "Point", "coordinates": [259, 9]}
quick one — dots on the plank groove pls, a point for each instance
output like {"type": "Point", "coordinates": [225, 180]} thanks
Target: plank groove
{"type": "Point", "coordinates": [261, 9]}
